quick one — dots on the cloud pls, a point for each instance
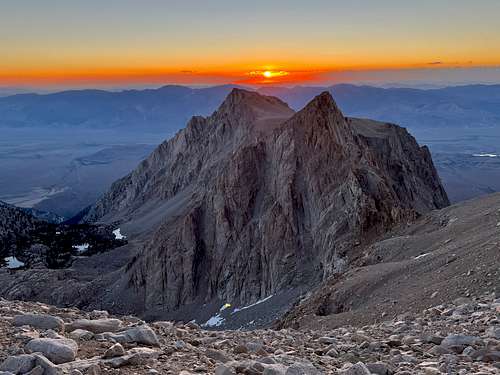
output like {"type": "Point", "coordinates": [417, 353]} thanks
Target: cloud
{"type": "Point", "coordinates": [435, 63]}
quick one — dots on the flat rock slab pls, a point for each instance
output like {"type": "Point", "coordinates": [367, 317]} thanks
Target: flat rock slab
{"type": "Point", "coordinates": [40, 321]}
{"type": "Point", "coordinates": [140, 334]}
{"type": "Point", "coordinates": [95, 326]}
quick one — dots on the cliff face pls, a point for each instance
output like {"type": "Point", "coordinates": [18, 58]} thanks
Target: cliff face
{"type": "Point", "coordinates": [257, 199]}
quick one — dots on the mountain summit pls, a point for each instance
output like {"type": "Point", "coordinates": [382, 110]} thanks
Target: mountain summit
{"type": "Point", "coordinates": [256, 200]}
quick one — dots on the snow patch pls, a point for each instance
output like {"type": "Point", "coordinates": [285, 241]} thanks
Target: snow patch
{"type": "Point", "coordinates": [252, 305]}
{"type": "Point", "coordinates": [486, 155]}
{"type": "Point", "coordinates": [421, 256]}
{"type": "Point", "coordinates": [81, 248]}
{"type": "Point", "coordinates": [118, 234]}
{"type": "Point", "coordinates": [13, 263]}
{"type": "Point", "coordinates": [214, 321]}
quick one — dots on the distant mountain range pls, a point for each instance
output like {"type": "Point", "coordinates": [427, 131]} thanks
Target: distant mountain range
{"type": "Point", "coordinates": [168, 108]}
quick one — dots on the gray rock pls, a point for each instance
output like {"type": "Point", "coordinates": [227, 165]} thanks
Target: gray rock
{"type": "Point", "coordinates": [434, 339]}
{"type": "Point", "coordinates": [277, 370]}
{"type": "Point", "coordinates": [493, 332]}
{"type": "Point", "coordinates": [141, 334]}
{"type": "Point", "coordinates": [357, 369]}
{"type": "Point", "coordinates": [114, 351]}
{"type": "Point", "coordinates": [40, 321]}
{"type": "Point", "coordinates": [19, 364]}
{"type": "Point", "coordinates": [49, 368]}
{"type": "Point", "coordinates": [95, 326]}
{"type": "Point", "coordinates": [327, 340]}
{"type": "Point", "coordinates": [81, 334]}
{"type": "Point", "coordinates": [99, 314]}
{"type": "Point", "coordinates": [223, 370]}
{"type": "Point", "coordinates": [486, 355]}
{"type": "Point", "coordinates": [458, 343]}
{"type": "Point", "coordinates": [94, 369]}
{"type": "Point", "coordinates": [136, 356]}
{"type": "Point", "coordinates": [56, 350]}
{"type": "Point", "coordinates": [379, 368]}
{"type": "Point", "coordinates": [440, 350]}
{"type": "Point", "coordinates": [218, 355]}
{"type": "Point", "coordinates": [38, 370]}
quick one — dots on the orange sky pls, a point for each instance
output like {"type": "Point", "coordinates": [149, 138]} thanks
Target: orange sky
{"type": "Point", "coordinates": [157, 42]}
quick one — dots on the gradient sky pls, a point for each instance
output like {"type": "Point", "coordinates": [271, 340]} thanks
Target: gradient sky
{"type": "Point", "coordinates": [63, 42]}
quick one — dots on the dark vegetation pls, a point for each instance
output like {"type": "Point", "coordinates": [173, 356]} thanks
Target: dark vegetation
{"type": "Point", "coordinates": [54, 245]}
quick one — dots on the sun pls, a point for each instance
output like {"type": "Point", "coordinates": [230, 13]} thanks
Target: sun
{"type": "Point", "coordinates": [267, 76]}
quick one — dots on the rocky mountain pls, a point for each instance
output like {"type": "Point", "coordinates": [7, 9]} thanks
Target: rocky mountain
{"type": "Point", "coordinates": [455, 338]}
{"type": "Point", "coordinates": [256, 200]}
{"type": "Point", "coordinates": [335, 231]}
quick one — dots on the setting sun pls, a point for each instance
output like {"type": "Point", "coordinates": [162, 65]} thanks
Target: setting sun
{"type": "Point", "coordinates": [266, 76]}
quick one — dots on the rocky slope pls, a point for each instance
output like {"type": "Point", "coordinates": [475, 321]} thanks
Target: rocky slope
{"type": "Point", "coordinates": [458, 338]}
{"type": "Point", "coordinates": [444, 255]}
{"type": "Point", "coordinates": [257, 200]}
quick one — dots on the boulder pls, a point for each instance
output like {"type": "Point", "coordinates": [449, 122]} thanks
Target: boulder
{"type": "Point", "coordinates": [379, 368]}
{"type": "Point", "coordinates": [357, 369]}
{"type": "Point", "coordinates": [81, 334]}
{"type": "Point", "coordinates": [218, 355]}
{"type": "Point", "coordinates": [223, 370]}
{"type": "Point", "coordinates": [458, 343]}
{"type": "Point", "coordinates": [95, 326]}
{"type": "Point", "coordinates": [141, 334]}
{"type": "Point", "coordinates": [38, 370]}
{"type": "Point", "coordinates": [40, 321]}
{"type": "Point", "coordinates": [136, 356]}
{"type": "Point", "coordinates": [48, 367]}
{"type": "Point", "coordinates": [19, 364]}
{"type": "Point", "coordinates": [114, 351]}
{"type": "Point", "coordinates": [56, 350]}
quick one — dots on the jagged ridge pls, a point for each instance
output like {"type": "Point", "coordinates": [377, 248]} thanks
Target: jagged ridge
{"type": "Point", "coordinates": [255, 199]}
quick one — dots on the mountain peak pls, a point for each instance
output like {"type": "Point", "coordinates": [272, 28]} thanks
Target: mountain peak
{"type": "Point", "coordinates": [238, 97]}
{"type": "Point", "coordinates": [324, 102]}
{"type": "Point", "coordinates": [322, 118]}
{"type": "Point", "coordinates": [251, 108]}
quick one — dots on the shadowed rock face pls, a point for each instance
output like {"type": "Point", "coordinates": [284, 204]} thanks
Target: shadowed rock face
{"type": "Point", "coordinates": [258, 199]}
